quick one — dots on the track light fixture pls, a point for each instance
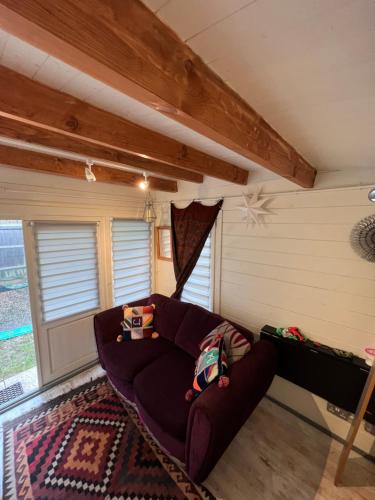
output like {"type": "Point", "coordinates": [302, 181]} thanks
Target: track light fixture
{"type": "Point", "coordinates": [90, 176]}
{"type": "Point", "coordinates": [144, 184]}
{"type": "Point", "coordinates": [149, 214]}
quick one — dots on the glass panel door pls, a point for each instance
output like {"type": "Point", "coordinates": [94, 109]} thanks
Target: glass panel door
{"type": "Point", "coordinates": [18, 371]}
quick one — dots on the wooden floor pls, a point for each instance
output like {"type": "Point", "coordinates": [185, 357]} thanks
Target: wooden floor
{"type": "Point", "coordinates": [276, 455]}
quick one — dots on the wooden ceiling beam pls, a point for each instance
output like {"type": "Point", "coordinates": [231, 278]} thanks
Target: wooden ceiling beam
{"type": "Point", "coordinates": [125, 45]}
{"type": "Point", "coordinates": [33, 103]}
{"type": "Point", "coordinates": [14, 129]}
{"type": "Point", "coordinates": [38, 162]}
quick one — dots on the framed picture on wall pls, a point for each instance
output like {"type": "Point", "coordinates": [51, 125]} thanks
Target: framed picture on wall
{"type": "Point", "coordinates": [164, 242]}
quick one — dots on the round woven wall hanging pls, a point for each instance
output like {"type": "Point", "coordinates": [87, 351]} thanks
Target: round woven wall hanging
{"type": "Point", "coordinates": [363, 238]}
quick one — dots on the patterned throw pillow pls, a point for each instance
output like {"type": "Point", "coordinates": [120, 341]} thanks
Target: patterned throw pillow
{"type": "Point", "coordinates": [236, 345]}
{"type": "Point", "coordinates": [138, 323]}
{"type": "Point", "coordinates": [210, 366]}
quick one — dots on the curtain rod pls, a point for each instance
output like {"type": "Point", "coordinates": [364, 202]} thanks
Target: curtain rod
{"type": "Point", "coordinates": [280, 193]}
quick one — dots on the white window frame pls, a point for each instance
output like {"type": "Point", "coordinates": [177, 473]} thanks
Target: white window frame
{"type": "Point", "coordinates": [217, 262]}
{"type": "Point", "coordinates": [40, 328]}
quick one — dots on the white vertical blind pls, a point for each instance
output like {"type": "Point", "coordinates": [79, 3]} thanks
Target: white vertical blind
{"type": "Point", "coordinates": [131, 257]}
{"type": "Point", "coordinates": [67, 268]}
{"type": "Point", "coordinates": [198, 289]}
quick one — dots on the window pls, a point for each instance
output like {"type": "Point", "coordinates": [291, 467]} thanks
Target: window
{"type": "Point", "coordinates": [12, 255]}
{"type": "Point", "coordinates": [67, 266]}
{"type": "Point", "coordinates": [164, 243]}
{"type": "Point", "coordinates": [131, 257]}
{"type": "Point", "coordinates": [198, 288]}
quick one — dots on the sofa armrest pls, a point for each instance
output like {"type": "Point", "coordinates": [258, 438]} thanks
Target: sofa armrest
{"type": "Point", "coordinates": [218, 414]}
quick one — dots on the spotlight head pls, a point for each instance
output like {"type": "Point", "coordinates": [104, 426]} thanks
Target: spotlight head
{"type": "Point", "coordinates": [144, 184]}
{"type": "Point", "coordinates": [371, 195]}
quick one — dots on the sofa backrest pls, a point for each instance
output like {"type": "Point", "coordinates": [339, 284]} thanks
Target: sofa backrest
{"type": "Point", "coordinates": [169, 314]}
{"type": "Point", "coordinates": [186, 324]}
{"type": "Point", "coordinates": [196, 324]}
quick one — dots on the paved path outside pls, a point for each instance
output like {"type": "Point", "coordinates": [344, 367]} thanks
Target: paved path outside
{"type": "Point", "coordinates": [28, 379]}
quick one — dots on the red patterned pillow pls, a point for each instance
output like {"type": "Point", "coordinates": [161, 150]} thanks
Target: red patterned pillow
{"type": "Point", "coordinates": [210, 366]}
{"type": "Point", "coordinates": [236, 345]}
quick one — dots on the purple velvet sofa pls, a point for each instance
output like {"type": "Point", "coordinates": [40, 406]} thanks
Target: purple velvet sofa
{"type": "Point", "coordinates": [155, 374]}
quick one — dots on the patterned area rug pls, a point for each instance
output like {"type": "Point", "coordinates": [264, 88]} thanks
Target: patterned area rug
{"type": "Point", "coordinates": [88, 444]}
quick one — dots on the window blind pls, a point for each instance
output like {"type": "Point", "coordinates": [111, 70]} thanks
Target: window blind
{"type": "Point", "coordinates": [197, 289]}
{"type": "Point", "coordinates": [67, 268]}
{"type": "Point", "coordinates": [131, 257]}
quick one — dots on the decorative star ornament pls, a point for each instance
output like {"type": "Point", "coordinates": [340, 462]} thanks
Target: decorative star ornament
{"type": "Point", "coordinates": [253, 209]}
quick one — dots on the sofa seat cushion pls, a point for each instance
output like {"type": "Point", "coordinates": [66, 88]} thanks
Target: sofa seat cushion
{"type": "Point", "coordinates": [160, 389]}
{"type": "Point", "coordinates": [124, 360]}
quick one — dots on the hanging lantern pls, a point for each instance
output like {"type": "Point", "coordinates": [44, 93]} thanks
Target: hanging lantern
{"type": "Point", "coordinates": [149, 214]}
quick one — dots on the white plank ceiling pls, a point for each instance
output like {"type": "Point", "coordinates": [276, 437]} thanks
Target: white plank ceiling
{"type": "Point", "coordinates": [307, 66]}
{"type": "Point", "coordinates": [40, 66]}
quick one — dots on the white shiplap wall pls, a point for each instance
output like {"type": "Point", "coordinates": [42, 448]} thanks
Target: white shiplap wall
{"type": "Point", "coordinates": [298, 269]}
{"type": "Point", "coordinates": [26, 194]}
{"type": "Point", "coordinates": [65, 345]}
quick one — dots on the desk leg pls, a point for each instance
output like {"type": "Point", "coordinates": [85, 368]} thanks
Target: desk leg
{"type": "Point", "coordinates": [360, 412]}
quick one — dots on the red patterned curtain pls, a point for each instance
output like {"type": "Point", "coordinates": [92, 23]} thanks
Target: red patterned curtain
{"type": "Point", "coordinates": [190, 229]}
